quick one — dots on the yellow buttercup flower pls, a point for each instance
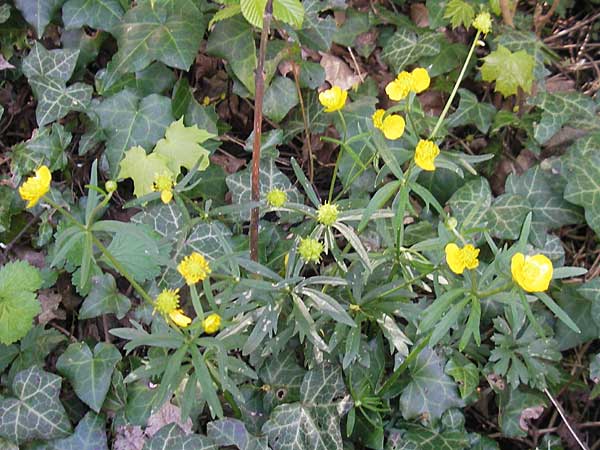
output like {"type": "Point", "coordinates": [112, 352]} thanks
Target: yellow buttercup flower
{"type": "Point", "coordinates": [425, 154]}
{"type": "Point", "coordinates": [399, 88]}
{"type": "Point", "coordinates": [459, 259]}
{"type": "Point", "coordinates": [532, 273]}
{"type": "Point", "coordinates": [333, 99]}
{"type": "Point", "coordinates": [327, 214]}
{"type": "Point", "coordinates": [420, 80]}
{"type": "Point", "coordinates": [212, 323]}
{"type": "Point", "coordinates": [194, 268]}
{"type": "Point", "coordinates": [483, 22]}
{"type": "Point", "coordinates": [164, 183]}
{"type": "Point", "coordinates": [276, 198]}
{"type": "Point", "coordinates": [378, 118]}
{"type": "Point", "coordinates": [310, 249]}
{"type": "Point", "coordinates": [167, 304]}
{"type": "Point", "coordinates": [36, 187]}
{"type": "Point", "coordinates": [393, 126]}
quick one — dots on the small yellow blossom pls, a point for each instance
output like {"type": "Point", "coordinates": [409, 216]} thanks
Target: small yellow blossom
{"type": "Point", "coordinates": [425, 154]}
{"type": "Point", "coordinates": [333, 99]}
{"type": "Point", "coordinates": [532, 273]}
{"type": "Point", "coordinates": [164, 183]}
{"type": "Point", "coordinates": [276, 198]}
{"type": "Point", "coordinates": [399, 88]}
{"type": "Point", "coordinates": [378, 118]}
{"type": "Point", "coordinates": [194, 268]}
{"type": "Point", "coordinates": [310, 249]}
{"type": "Point", "coordinates": [327, 214]}
{"type": "Point", "coordinates": [36, 187]}
{"type": "Point", "coordinates": [420, 80]}
{"type": "Point", "coordinates": [459, 259]}
{"type": "Point", "coordinates": [167, 304]}
{"type": "Point", "coordinates": [393, 127]}
{"type": "Point", "coordinates": [483, 22]}
{"type": "Point", "coordinates": [212, 323]}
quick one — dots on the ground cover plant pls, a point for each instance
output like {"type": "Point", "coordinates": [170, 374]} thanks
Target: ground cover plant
{"type": "Point", "coordinates": [285, 225]}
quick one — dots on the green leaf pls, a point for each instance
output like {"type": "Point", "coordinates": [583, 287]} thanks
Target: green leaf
{"type": "Point", "coordinates": [18, 302]}
{"type": "Point", "coordinates": [506, 216]}
{"type": "Point", "coordinates": [558, 311]}
{"type": "Point", "coordinates": [38, 12]}
{"type": "Point", "coordinates": [165, 219]}
{"type": "Point", "coordinates": [471, 111]}
{"type": "Point", "coordinates": [515, 40]}
{"type": "Point", "coordinates": [90, 434]}
{"type": "Point", "coordinates": [430, 391]}
{"type": "Point", "coordinates": [129, 120]}
{"type": "Point", "coordinates": [470, 204]}
{"type": "Point", "coordinates": [289, 11]}
{"type": "Point", "coordinates": [232, 432]}
{"type": "Point", "coordinates": [172, 437]}
{"type": "Point", "coordinates": [284, 377]}
{"type": "Point", "coordinates": [509, 70]}
{"type": "Point", "coordinates": [143, 169]}
{"type": "Point", "coordinates": [180, 147]}
{"type": "Point", "coordinates": [460, 13]}
{"type": "Point", "coordinates": [280, 97]}
{"type": "Point", "coordinates": [465, 374]}
{"type": "Point", "coordinates": [89, 373]}
{"type": "Point", "coordinates": [317, 32]}
{"type": "Point", "coordinates": [253, 11]}
{"type": "Point", "coordinates": [104, 298]}
{"type": "Point", "coordinates": [233, 40]}
{"type": "Point", "coordinates": [511, 411]}
{"type": "Point", "coordinates": [313, 423]}
{"type": "Point", "coordinates": [56, 100]}
{"type": "Point", "coordinates": [428, 439]}
{"type": "Point", "coordinates": [406, 47]}
{"type": "Point", "coordinates": [100, 14]}
{"type": "Point", "coordinates": [58, 64]}
{"type": "Point", "coordinates": [35, 412]}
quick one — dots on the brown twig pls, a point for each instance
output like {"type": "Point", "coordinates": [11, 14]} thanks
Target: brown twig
{"type": "Point", "coordinates": [539, 19]}
{"type": "Point", "coordinates": [508, 13]}
{"type": "Point", "coordinates": [259, 91]}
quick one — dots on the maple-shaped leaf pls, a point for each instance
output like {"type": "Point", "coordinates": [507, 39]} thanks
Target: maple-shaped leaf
{"type": "Point", "coordinates": [460, 13]}
{"type": "Point", "coordinates": [142, 169]}
{"type": "Point", "coordinates": [181, 147]}
{"type": "Point", "coordinates": [509, 70]}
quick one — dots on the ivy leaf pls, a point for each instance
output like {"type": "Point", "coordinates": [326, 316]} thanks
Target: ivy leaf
{"type": "Point", "coordinates": [129, 121]}
{"type": "Point", "coordinates": [506, 216]}
{"type": "Point", "coordinates": [430, 392]}
{"type": "Point", "coordinates": [165, 219]}
{"type": "Point", "coordinates": [515, 40]}
{"type": "Point", "coordinates": [471, 202]}
{"type": "Point", "coordinates": [509, 70]}
{"type": "Point", "coordinates": [284, 375]}
{"type": "Point", "coordinates": [142, 169]}
{"type": "Point", "coordinates": [58, 64]}
{"type": "Point", "coordinates": [180, 147]}
{"type": "Point", "coordinates": [460, 13]}
{"type": "Point", "coordinates": [314, 421]}
{"type": "Point", "coordinates": [289, 11]}
{"type": "Point", "coordinates": [172, 437]}
{"type": "Point", "coordinates": [512, 409]}
{"type": "Point", "coordinates": [38, 12]}
{"type": "Point", "coordinates": [466, 375]}
{"type": "Point", "coordinates": [90, 434]}
{"type": "Point", "coordinates": [104, 298]}
{"type": "Point", "coordinates": [100, 14]}
{"type": "Point", "coordinates": [471, 111]}
{"type": "Point", "coordinates": [35, 412]}
{"type": "Point", "coordinates": [406, 47]}
{"type": "Point", "coordinates": [232, 432]}
{"type": "Point", "coordinates": [317, 32]}
{"type": "Point", "coordinates": [428, 439]}
{"type": "Point", "coordinates": [89, 373]}
{"type": "Point", "coordinates": [18, 302]}
{"type": "Point", "coordinates": [56, 100]}
{"type": "Point", "coordinates": [233, 40]}
{"type": "Point", "coordinates": [281, 96]}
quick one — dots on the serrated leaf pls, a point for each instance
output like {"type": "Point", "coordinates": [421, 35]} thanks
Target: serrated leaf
{"type": "Point", "coordinates": [509, 70]}
{"type": "Point", "coordinates": [172, 437]}
{"type": "Point", "coordinates": [281, 96]}
{"type": "Point", "coordinates": [253, 11]}
{"type": "Point", "coordinates": [506, 215]}
{"type": "Point", "coordinates": [460, 13]}
{"type": "Point", "coordinates": [129, 120]}
{"type": "Point", "coordinates": [516, 40]}
{"type": "Point", "coordinates": [289, 11]}
{"type": "Point", "coordinates": [430, 392]}
{"type": "Point", "coordinates": [18, 301]}
{"type": "Point", "coordinates": [180, 147]}
{"type": "Point", "coordinates": [104, 298]}
{"type": "Point", "coordinates": [317, 32]}
{"type": "Point", "coordinates": [35, 412]}
{"type": "Point", "coordinates": [143, 169]}
{"type": "Point", "coordinates": [232, 432]}
{"type": "Point", "coordinates": [38, 12]}
{"type": "Point", "coordinates": [233, 40]}
{"type": "Point", "coordinates": [89, 373]}
{"type": "Point", "coordinates": [90, 434]}
{"type": "Point", "coordinates": [471, 111]}
{"type": "Point", "coordinates": [100, 14]}
{"type": "Point", "coordinates": [406, 47]}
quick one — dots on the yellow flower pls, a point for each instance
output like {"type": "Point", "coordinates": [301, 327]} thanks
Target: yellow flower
{"type": "Point", "coordinates": [36, 187]}
{"type": "Point", "coordinates": [378, 118]}
{"type": "Point", "coordinates": [333, 99]}
{"type": "Point", "coordinates": [393, 127]}
{"type": "Point", "coordinates": [276, 197]}
{"type": "Point", "coordinates": [420, 80]}
{"type": "Point", "coordinates": [483, 22]}
{"type": "Point", "coordinates": [310, 249]}
{"type": "Point", "coordinates": [194, 268]}
{"type": "Point", "coordinates": [425, 154]}
{"type": "Point", "coordinates": [164, 183]}
{"type": "Point", "coordinates": [212, 323]}
{"type": "Point", "coordinates": [400, 87]}
{"type": "Point", "coordinates": [167, 304]}
{"type": "Point", "coordinates": [459, 259]}
{"type": "Point", "coordinates": [327, 214]}
{"type": "Point", "coordinates": [532, 273]}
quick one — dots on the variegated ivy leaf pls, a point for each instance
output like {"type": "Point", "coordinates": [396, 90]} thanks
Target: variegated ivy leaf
{"type": "Point", "coordinates": [406, 47]}
{"type": "Point", "coordinates": [34, 411]}
{"type": "Point", "coordinates": [470, 204]}
{"type": "Point", "coordinates": [317, 31]}
{"type": "Point", "coordinates": [38, 12]}
{"type": "Point", "coordinates": [506, 216]}
{"type": "Point", "coordinates": [100, 14]}
{"type": "Point", "coordinates": [418, 437]}
{"type": "Point", "coordinates": [232, 432]}
{"type": "Point", "coordinates": [172, 437]}
{"type": "Point", "coordinates": [471, 111]}
{"type": "Point", "coordinates": [58, 64]}
{"type": "Point", "coordinates": [90, 434]}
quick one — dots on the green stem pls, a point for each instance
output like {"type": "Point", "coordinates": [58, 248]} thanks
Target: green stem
{"type": "Point", "coordinates": [196, 303]}
{"type": "Point", "coordinates": [456, 85]}
{"type": "Point", "coordinates": [485, 294]}
{"type": "Point", "coordinates": [337, 161]}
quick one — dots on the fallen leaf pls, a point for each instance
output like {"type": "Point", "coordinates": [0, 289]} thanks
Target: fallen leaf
{"type": "Point", "coordinates": [167, 414]}
{"type": "Point", "coordinates": [337, 72]}
{"type": "Point", "coordinates": [4, 64]}
{"type": "Point", "coordinates": [528, 414]}
{"type": "Point", "coordinates": [129, 437]}
{"type": "Point", "coordinates": [229, 163]}
{"type": "Point", "coordinates": [419, 15]}
{"type": "Point", "coordinates": [50, 302]}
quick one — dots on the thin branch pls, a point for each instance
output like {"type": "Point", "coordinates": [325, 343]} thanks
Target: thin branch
{"type": "Point", "coordinates": [540, 20]}
{"type": "Point", "coordinates": [564, 418]}
{"type": "Point", "coordinates": [508, 13]}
